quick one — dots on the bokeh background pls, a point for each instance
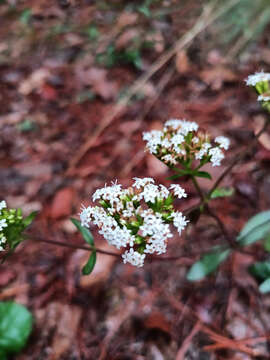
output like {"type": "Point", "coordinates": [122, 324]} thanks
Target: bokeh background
{"type": "Point", "coordinates": [79, 83]}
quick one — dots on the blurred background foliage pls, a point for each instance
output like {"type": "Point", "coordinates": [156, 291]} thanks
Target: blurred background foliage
{"type": "Point", "coordinates": [115, 40]}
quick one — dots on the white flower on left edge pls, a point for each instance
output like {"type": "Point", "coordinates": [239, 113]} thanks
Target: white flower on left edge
{"type": "Point", "coordinates": [3, 205]}
{"type": "Point", "coordinates": [137, 218]}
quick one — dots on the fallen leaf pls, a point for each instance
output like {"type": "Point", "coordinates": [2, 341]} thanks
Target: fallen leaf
{"type": "Point", "coordinates": [156, 320]}
{"type": "Point", "coordinates": [62, 203]}
{"type": "Point", "coordinates": [182, 62]}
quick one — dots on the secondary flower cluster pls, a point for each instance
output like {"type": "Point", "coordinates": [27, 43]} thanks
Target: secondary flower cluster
{"type": "Point", "coordinates": [260, 81]}
{"type": "Point", "coordinates": [137, 218]}
{"type": "Point", "coordinates": [3, 224]}
{"type": "Point", "coordinates": [181, 141]}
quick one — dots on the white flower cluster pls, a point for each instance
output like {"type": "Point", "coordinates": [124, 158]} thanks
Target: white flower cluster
{"type": "Point", "coordinates": [137, 218]}
{"type": "Point", "coordinates": [263, 97]}
{"type": "Point", "coordinates": [180, 140]}
{"type": "Point", "coordinates": [3, 224]}
{"type": "Point", "coordinates": [253, 80]}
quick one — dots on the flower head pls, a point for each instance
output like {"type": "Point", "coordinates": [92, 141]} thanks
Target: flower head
{"type": "Point", "coordinates": [263, 97]}
{"type": "Point", "coordinates": [137, 218]}
{"type": "Point", "coordinates": [11, 226]}
{"type": "Point", "coordinates": [253, 80]}
{"type": "Point", "coordinates": [181, 142]}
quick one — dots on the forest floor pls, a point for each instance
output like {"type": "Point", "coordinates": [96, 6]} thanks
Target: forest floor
{"type": "Point", "coordinates": [63, 136]}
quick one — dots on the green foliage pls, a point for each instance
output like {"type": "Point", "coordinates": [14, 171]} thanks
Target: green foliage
{"type": "Point", "coordinates": [92, 32]}
{"type": "Point", "coordinates": [88, 237]}
{"type": "Point", "coordinates": [222, 192]}
{"type": "Point", "coordinates": [208, 263]}
{"type": "Point", "coordinates": [190, 172]}
{"type": "Point", "coordinates": [255, 229]}
{"type": "Point", "coordinates": [86, 234]}
{"type": "Point", "coordinates": [85, 95]}
{"type": "Point", "coordinates": [25, 16]}
{"type": "Point", "coordinates": [112, 56]}
{"type": "Point", "coordinates": [261, 271]}
{"type": "Point", "coordinates": [15, 225]}
{"type": "Point", "coordinates": [15, 328]}
{"type": "Point", "coordinates": [266, 244]}
{"type": "Point", "coordinates": [27, 125]}
{"type": "Point", "coordinates": [89, 266]}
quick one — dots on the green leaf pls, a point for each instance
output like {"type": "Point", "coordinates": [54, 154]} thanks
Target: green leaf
{"type": "Point", "coordinates": [260, 270]}
{"type": "Point", "coordinates": [255, 229]}
{"type": "Point", "coordinates": [89, 266]}
{"type": "Point", "coordinates": [174, 177]}
{"type": "Point", "coordinates": [145, 11]}
{"type": "Point", "coordinates": [207, 264]}
{"type": "Point", "coordinates": [26, 16]}
{"type": "Point", "coordinates": [266, 244]}
{"type": "Point", "coordinates": [265, 286]}
{"type": "Point", "coordinates": [15, 327]}
{"type": "Point", "coordinates": [222, 192]}
{"type": "Point", "coordinates": [202, 174]}
{"type": "Point", "coordinates": [29, 219]}
{"type": "Point", "coordinates": [92, 32]}
{"type": "Point", "coordinates": [86, 234]}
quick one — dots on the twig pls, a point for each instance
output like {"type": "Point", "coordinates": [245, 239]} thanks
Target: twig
{"type": "Point", "coordinates": [221, 226]}
{"type": "Point", "coordinates": [186, 343]}
{"type": "Point", "coordinates": [197, 186]}
{"type": "Point", "coordinates": [74, 246]}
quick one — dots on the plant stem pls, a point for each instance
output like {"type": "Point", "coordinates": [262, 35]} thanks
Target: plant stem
{"type": "Point", "coordinates": [197, 186]}
{"type": "Point", "coordinates": [238, 158]}
{"type": "Point", "coordinates": [74, 246]}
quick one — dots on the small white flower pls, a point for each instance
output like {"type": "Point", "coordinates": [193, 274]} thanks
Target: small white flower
{"type": "Point", "coordinates": [173, 123]}
{"type": "Point", "coordinates": [141, 182]}
{"type": "Point", "coordinates": [195, 140]}
{"type": "Point", "coordinates": [3, 224]}
{"type": "Point", "coordinates": [166, 143]}
{"type": "Point", "coordinates": [176, 140]}
{"type": "Point", "coordinates": [133, 257]}
{"type": "Point", "coordinates": [178, 191]}
{"type": "Point", "coordinates": [130, 210]}
{"type": "Point", "coordinates": [263, 97]}
{"type": "Point", "coordinates": [169, 158]}
{"type": "Point", "coordinates": [85, 216]}
{"type": "Point", "coordinates": [179, 221]}
{"type": "Point", "coordinates": [203, 151]}
{"type": "Point", "coordinates": [3, 240]}
{"type": "Point", "coordinates": [216, 156]}
{"type": "Point", "coordinates": [254, 79]}
{"type": "Point", "coordinates": [188, 126]}
{"type": "Point", "coordinates": [164, 192]}
{"type": "Point", "coordinates": [2, 204]}
{"type": "Point", "coordinates": [223, 142]}
{"type": "Point", "coordinates": [149, 193]}
{"type": "Point", "coordinates": [153, 139]}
